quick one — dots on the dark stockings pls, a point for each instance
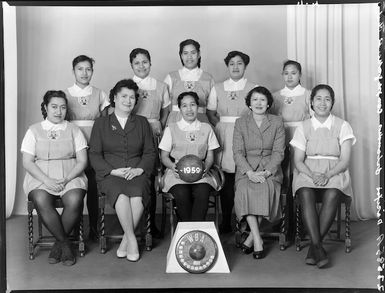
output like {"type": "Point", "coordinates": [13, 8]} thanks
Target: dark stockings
{"type": "Point", "coordinates": [316, 224]}
{"type": "Point", "coordinates": [58, 226]}
{"type": "Point", "coordinates": [227, 199]}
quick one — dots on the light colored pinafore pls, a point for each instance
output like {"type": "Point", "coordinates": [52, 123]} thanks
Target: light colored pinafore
{"type": "Point", "coordinates": [202, 87]}
{"type": "Point", "coordinates": [56, 157]}
{"type": "Point", "coordinates": [323, 142]}
{"type": "Point", "coordinates": [83, 111]}
{"type": "Point", "coordinates": [230, 106]}
{"type": "Point", "coordinates": [184, 143]}
{"type": "Point", "coordinates": [293, 109]}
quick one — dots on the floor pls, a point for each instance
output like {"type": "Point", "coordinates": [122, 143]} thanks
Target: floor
{"type": "Point", "coordinates": [280, 269]}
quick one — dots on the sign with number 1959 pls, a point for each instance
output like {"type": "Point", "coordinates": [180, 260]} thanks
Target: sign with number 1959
{"type": "Point", "coordinates": [192, 170]}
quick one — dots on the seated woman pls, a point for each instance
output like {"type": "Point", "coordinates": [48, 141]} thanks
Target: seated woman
{"type": "Point", "coordinates": [188, 136]}
{"type": "Point", "coordinates": [122, 153]}
{"type": "Point", "coordinates": [55, 156]}
{"type": "Point", "coordinates": [258, 147]}
{"type": "Point", "coordinates": [321, 156]}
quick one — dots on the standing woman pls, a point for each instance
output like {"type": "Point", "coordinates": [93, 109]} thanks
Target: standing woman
{"type": "Point", "coordinates": [258, 146]}
{"type": "Point", "coordinates": [153, 103]}
{"type": "Point", "coordinates": [293, 101]}
{"type": "Point", "coordinates": [188, 136]}
{"type": "Point", "coordinates": [85, 104]}
{"type": "Point", "coordinates": [54, 156]}
{"type": "Point", "coordinates": [227, 103]}
{"type": "Point", "coordinates": [122, 153]}
{"type": "Point", "coordinates": [322, 147]}
{"type": "Point", "coordinates": [189, 78]}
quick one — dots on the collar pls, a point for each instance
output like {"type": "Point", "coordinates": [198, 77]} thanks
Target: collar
{"type": "Point", "coordinates": [183, 125]}
{"type": "Point", "coordinates": [297, 91]}
{"type": "Point", "coordinates": [190, 75]}
{"type": "Point", "coordinates": [147, 83]}
{"type": "Point", "coordinates": [48, 125]}
{"type": "Point", "coordinates": [77, 91]}
{"type": "Point", "coordinates": [232, 85]}
{"type": "Point", "coordinates": [327, 124]}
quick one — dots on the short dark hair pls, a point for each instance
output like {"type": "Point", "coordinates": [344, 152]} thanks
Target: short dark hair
{"type": "Point", "coordinates": [124, 83]}
{"type": "Point", "coordinates": [189, 42]}
{"type": "Point", "coordinates": [292, 62]}
{"type": "Point", "coordinates": [321, 87]}
{"type": "Point", "coordinates": [47, 98]}
{"type": "Point", "coordinates": [184, 94]}
{"type": "Point", "coordinates": [232, 54]}
{"type": "Point", "coordinates": [261, 90]}
{"type": "Point", "coordinates": [137, 51]}
{"type": "Point", "coordinates": [82, 58]}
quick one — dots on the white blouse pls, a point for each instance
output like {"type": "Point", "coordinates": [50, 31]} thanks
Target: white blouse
{"type": "Point", "coordinates": [299, 140]}
{"type": "Point", "coordinates": [166, 142]}
{"type": "Point", "coordinates": [29, 142]}
{"type": "Point", "coordinates": [229, 85]}
{"type": "Point", "coordinates": [185, 75]}
{"type": "Point", "coordinates": [149, 84]}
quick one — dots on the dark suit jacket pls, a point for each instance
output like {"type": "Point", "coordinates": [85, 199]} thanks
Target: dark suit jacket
{"type": "Point", "coordinates": [259, 148]}
{"type": "Point", "coordinates": [112, 147]}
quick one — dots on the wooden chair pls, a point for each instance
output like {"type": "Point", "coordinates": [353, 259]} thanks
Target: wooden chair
{"type": "Point", "coordinates": [168, 201]}
{"type": "Point", "coordinates": [49, 240]}
{"type": "Point", "coordinates": [343, 200]}
{"type": "Point", "coordinates": [117, 237]}
{"type": "Point", "coordinates": [286, 203]}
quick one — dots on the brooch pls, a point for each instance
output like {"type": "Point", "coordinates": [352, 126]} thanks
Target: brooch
{"type": "Point", "coordinates": [189, 85]}
{"type": "Point", "coordinates": [288, 100]}
{"type": "Point", "coordinates": [143, 94]}
{"type": "Point", "coordinates": [113, 127]}
{"type": "Point", "coordinates": [232, 95]}
{"type": "Point", "coordinates": [53, 134]}
{"type": "Point", "coordinates": [83, 100]}
{"type": "Point", "coordinates": [191, 136]}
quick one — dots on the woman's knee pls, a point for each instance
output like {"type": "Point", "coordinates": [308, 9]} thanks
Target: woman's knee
{"type": "Point", "coordinates": [306, 194]}
{"type": "Point", "coordinates": [73, 198]}
{"type": "Point", "coordinates": [40, 198]}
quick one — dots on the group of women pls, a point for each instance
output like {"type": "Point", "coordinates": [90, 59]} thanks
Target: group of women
{"type": "Point", "coordinates": [236, 124]}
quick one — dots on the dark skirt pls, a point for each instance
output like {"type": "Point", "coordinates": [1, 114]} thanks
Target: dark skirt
{"type": "Point", "coordinates": [113, 186]}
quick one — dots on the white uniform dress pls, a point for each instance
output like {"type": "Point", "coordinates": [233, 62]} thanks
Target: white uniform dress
{"type": "Point", "coordinates": [54, 147]}
{"type": "Point", "coordinates": [321, 143]}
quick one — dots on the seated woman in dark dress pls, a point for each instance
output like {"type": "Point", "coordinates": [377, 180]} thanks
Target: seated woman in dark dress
{"type": "Point", "coordinates": [55, 156]}
{"type": "Point", "coordinates": [188, 136]}
{"type": "Point", "coordinates": [122, 153]}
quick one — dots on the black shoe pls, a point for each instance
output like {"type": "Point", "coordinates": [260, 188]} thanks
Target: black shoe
{"type": "Point", "coordinates": [67, 257]}
{"type": "Point", "coordinates": [321, 256]}
{"type": "Point", "coordinates": [246, 249]}
{"type": "Point", "coordinates": [259, 254]}
{"type": "Point", "coordinates": [311, 258]}
{"type": "Point", "coordinates": [55, 254]}
{"type": "Point", "coordinates": [224, 229]}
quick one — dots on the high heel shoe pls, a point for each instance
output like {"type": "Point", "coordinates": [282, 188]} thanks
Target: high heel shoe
{"type": "Point", "coordinates": [259, 254]}
{"type": "Point", "coordinates": [133, 257]}
{"type": "Point", "coordinates": [246, 249]}
{"type": "Point", "coordinates": [121, 253]}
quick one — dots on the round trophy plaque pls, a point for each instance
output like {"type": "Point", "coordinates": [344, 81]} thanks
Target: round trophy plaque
{"type": "Point", "coordinates": [196, 251]}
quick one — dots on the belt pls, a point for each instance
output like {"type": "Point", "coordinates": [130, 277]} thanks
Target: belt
{"type": "Point", "coordinates": [292, 123]}
{"type": "Point", "coordinates": [83, 123]}
{"type": "Point", "coordinates": [202, 110]}
{"type": "Point", "coordinates": [228, 118]}
{"type": "Point", "coordinates": [322, 157]}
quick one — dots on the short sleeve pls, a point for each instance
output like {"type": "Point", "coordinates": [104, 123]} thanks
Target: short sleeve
{"type": "Point", "coordinates": [104, 101]}
{"type": "Point", "coordinates": [165, 98]}
{"type": "Point", "coordinates": [299, 139]}
{"type": "Point", "coordinates": [346, 133]}
{"type": "Point", "coordinates": [212, 141]}
{"type": "Point", "coordinates": [168, 81]}
{"type": "Point", "coordinates": [79, 140]}
{"type": "Point", "coordinates": [29, 143]}
{"type": "Point", "coordinates": [212, 100]}
{"type": "Point", "coordinates": [166, 141]}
